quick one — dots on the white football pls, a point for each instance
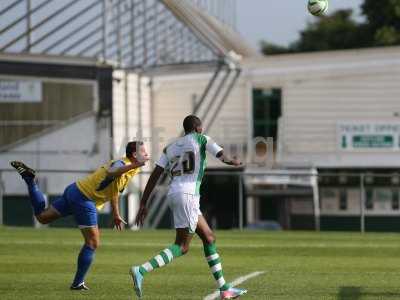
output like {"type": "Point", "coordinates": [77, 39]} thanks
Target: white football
{"type": "Point", "coordinates": [318, 7]}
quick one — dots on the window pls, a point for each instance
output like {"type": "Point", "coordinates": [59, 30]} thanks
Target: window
{"type": "Point", "coordinates": [343, 199]}
{"type": "Point", "coordinates": [266, 112]}
{"type": "Point", "coordinates": [369, 199]}
{"type": "Point", "coordinates": [395, 199]}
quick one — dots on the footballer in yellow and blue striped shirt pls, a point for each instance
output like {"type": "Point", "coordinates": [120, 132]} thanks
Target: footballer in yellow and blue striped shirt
{"type": "Point", "coordinates": [84, 197]}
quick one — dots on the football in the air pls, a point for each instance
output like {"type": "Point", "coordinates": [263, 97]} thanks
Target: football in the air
{"type": "Point", "coordinates": [318, 7]}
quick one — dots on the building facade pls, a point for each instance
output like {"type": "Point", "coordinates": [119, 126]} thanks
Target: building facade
{"type": "Point", "coordinates": [325, 125]}
{"type": "Point", "coordinates": [334, 113]}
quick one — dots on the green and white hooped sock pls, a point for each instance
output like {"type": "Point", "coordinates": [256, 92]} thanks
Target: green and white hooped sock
{"type": "Point", "coordinates": [214, 262]}
{"type": "Point", "coordinates": [162, 259]}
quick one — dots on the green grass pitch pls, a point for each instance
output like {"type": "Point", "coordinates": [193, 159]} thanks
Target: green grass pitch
{"type": "Point", "coordinates": [39, 264]}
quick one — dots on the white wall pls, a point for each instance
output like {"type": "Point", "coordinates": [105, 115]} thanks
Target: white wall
{"type": "Point", "coordinates": [79, 145]}
{"type": "Point", "coordinates": [318, 91]}
{"type": "Point", "coordinates": [132, 119]}
{"type": "Point", "coordinates": [321, 89]}
{"type": "Point", "coordinates": [175, 96]}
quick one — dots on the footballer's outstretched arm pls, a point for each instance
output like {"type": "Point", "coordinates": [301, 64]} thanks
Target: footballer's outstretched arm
{"type": "Point", "coordinates": [150, 185]}
{"type": "Point", "coordinates": [227, 160]}
{"type": "Point", "coordinates": [117, 171]}
{"type": "Point", "coordinates": [218, 152]}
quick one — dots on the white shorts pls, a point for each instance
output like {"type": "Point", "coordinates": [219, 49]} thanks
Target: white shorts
{"type": "Point", "coordinates": [186, 210]}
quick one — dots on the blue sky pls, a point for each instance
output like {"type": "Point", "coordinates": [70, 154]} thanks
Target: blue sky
{"type": "Point", "coordinates": [278, 21]}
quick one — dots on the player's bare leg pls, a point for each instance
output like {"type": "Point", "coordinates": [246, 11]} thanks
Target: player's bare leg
{"type": "Point", "coordinates": [183, 239]}
{"type": "Point", "coordinates": [204, 231]}
{"type": "Point", "coordinates": [49, 215]}
{"type": "Point", "coordinates": [91, 236]}
{"type": "Point", "coordinates": [210, 251]}
{"type": "Point", "coordinates": [179, 248]}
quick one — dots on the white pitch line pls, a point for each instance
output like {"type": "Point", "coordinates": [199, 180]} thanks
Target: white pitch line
{"type": "Point", "coordinates": [236, 282]}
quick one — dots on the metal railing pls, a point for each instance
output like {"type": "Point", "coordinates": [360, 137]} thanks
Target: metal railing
{"type": "Point", "coordinates": [339, 196]}
{"type": "Point", "coordinates": [131, 33]}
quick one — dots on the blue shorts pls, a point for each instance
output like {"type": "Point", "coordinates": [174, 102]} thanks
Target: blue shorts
{"type": "Point", "coordinates": [74, 202]}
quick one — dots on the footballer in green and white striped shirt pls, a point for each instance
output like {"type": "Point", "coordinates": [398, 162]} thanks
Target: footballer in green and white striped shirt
{"type": "Point", "coordinates": [185, 160]}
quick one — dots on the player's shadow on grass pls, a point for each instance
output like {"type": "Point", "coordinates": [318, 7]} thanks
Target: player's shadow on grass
{"type": "Point", "coordinates": [355, 293]}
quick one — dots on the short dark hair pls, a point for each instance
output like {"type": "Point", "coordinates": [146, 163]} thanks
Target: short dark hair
{"type": "Point", "coordinates": [190, 123]}
{"type": "Point", "coordinates": [132, 147]}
